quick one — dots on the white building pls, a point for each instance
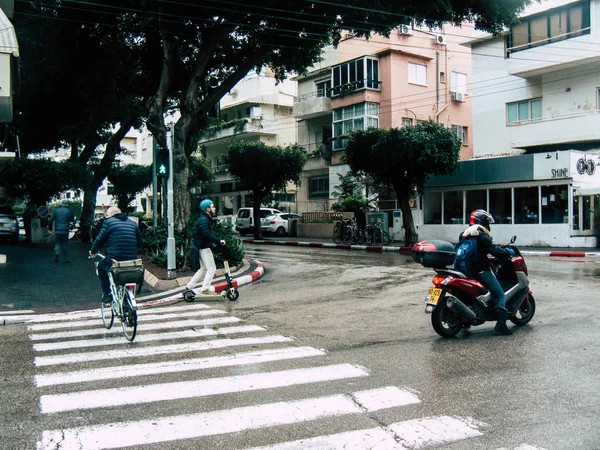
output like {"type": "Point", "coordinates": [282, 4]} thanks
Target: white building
{"type": "Point", "coordinates": [535, 93]}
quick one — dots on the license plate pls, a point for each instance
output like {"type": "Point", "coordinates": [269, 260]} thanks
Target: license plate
{"type": "Point", "coordinates": [433, 296]}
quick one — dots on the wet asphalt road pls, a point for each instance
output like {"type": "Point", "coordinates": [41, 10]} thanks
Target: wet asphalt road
{"type": "Point", "coordinates": [538, 387]}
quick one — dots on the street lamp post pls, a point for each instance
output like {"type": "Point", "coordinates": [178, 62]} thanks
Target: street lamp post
{"type": "Point", "coordinates": [170, 215]}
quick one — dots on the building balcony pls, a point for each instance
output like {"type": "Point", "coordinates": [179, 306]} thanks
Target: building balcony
{"type": "Point", "coordinates": [558, 130]}
{"type": "Point", "coordinates": [239, 127]}
{"type": "Point", "coordinates": [310, 105]}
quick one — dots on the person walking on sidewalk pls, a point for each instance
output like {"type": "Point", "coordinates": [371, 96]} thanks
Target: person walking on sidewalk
{"type": "Point", "coordinates": [61, 218]}
{"type": "Point", "coordinates": [203, 239]}
{"type": "Point", "coordinates": [123, 240]}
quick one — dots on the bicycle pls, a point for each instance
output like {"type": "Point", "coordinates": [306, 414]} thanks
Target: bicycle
{"type": "Point", "coordinates": [378, 235]}
{"type": "Point", "coordinates": [123, 276]}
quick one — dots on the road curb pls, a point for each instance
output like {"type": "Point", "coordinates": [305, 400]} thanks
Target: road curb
{"type": "Point", "coordinates": [148, 301]}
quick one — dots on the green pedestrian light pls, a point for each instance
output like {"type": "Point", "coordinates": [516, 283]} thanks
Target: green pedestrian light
{"type": "Point", "coordinates": [162, 163]}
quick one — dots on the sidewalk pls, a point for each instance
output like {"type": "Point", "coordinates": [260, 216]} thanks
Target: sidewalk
{"type": "Point", "coordinates": [31, 280]}
{"type": "Point", "coordinates": [400, 247]}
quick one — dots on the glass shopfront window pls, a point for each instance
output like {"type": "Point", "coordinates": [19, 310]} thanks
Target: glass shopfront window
{"type": "Point", "coordinates": [501, 205]}
{"type": "Point", "coordinates": [554, 204]}
{"type": "Point", "coordinates": [432, 208]}
{"type": "Point", "coordinates": [453, 207]}
{"type": "Point", "coordinates": [526, 205]}
{"type": "Point", "coordinates": [475, 200]}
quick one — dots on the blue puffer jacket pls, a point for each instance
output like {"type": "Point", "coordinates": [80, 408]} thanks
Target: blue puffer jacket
{"type": "Point", "coordinates": [203, 235]}
{"type": "Point", "coordinates": [122, 237]}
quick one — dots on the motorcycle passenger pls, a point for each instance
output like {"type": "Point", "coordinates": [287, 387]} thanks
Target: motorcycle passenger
{"type": "Point", "coordinates": [479, 229]}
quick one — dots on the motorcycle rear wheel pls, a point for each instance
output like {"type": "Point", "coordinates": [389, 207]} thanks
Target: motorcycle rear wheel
{"type": "Point", "coordinates": [445, 322]}
{"type": "Point", "coordinates": [525, 312]}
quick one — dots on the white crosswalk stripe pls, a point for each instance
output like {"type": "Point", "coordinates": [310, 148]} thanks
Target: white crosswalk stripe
{"type": "Point", "coordinates": [182, 353]}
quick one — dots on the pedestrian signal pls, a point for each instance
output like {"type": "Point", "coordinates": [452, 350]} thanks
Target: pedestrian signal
{"type": "Point", "coordinates": [162, 163]}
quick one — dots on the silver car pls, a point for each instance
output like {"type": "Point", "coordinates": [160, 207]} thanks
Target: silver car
{"type": "Point", "coordinates": [9, 227]}
{"type": "Point", "coordinates": [278, 223]}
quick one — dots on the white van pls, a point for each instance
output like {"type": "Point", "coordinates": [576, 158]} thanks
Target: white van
{"type": "Point", "coordinates": [244, 222]}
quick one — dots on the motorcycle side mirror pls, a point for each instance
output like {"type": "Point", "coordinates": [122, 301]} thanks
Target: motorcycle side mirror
{"type": "Point", "coordinates": [513, 239]}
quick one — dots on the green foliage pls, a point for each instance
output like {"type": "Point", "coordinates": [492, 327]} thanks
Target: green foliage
{"type": "Point", "coordinates": [39, 179]}
{"type": "Point", "coordinates": [128, 181]}
{"type": "Point", "coordinates": [349, 194]}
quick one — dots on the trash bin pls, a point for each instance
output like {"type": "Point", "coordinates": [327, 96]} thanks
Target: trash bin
{"type": "Point", "coordinates": [293, 227]}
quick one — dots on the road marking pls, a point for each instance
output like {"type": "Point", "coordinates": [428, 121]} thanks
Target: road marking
{"type": "Point", "coordinates": [143, 432]}
{"type": "Point", "coordinates": [211, 362]}
{"type": "Point", "coordinates": [397, 436]}
{"type": "Point", "coordinates": [142, 319]}
{"type": "Point", "coordinates": [116, 339]}
{"type": "Point", "coordinates": [197, 388]}
{"type": "Point", "coordinates": [98, 330]}
{"type": "Point", "coordinates": [131, 352]}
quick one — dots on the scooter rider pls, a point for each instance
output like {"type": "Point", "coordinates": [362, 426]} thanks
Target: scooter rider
{"type": "Point", "coordinates": [204, 238]}
{"type": "Point", "coordinates": [479, 229]}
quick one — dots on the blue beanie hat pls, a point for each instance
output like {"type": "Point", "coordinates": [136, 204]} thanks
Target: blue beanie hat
{"type": "Point", "coordinates": [205, 204]}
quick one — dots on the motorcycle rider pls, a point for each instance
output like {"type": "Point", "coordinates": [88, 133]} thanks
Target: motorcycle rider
{"type": "Point", "coordinates": [479, 229]}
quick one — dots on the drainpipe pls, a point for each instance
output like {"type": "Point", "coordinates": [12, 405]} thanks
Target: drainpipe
{"type": "Point", "coordinates": [437, 86]}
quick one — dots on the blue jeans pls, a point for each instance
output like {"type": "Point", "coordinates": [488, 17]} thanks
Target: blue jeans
{"type": "Point", "coordinates": [489, 280]}
{"type": "Point", "coordinates": [103, 268]}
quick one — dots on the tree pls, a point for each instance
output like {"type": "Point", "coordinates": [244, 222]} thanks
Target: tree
{"type": "Point", "coordinates": [262, 169]}
{"type": "Point", "coordinates": [404, 158]}
{"type": "Point", "coordinates": [128, 181]}
{"type": "Point", "coordinates": [349, 194]}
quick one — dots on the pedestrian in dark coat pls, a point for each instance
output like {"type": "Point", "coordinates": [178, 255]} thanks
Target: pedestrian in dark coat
{"type": "Point", "coordinates": [61, 217]}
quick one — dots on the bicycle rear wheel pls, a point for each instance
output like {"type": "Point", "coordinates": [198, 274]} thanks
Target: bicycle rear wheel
{"type": "Point", "coordinates": [108, 315]}
{"type": "Point", "coordinates": [380, 237]}
{"type": "Point", "coordinates": [129, 319]}
{"type": "Point", "coordinates": [338, 233]}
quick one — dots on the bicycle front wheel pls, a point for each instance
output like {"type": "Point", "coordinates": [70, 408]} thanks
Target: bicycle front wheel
{"type": "Point", "coordinates": [108, 315]}
{"type": "Point", "coordinates": [129, 319]}
{"type": "Point", "coordinates": [338, 233]}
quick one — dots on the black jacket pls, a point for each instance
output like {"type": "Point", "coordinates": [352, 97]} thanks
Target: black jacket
{"type": "Point", "coordinates": [122, 237]}
{"type": "Point", "coordinates": [485, 246]}
{"type": "Point", "coordinates": [203, 235]}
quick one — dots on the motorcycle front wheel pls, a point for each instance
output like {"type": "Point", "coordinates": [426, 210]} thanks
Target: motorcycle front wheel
{"type": "Point", "coordinates": [444, 321]}
{"type": "Point", "coordinates": [525, 312]}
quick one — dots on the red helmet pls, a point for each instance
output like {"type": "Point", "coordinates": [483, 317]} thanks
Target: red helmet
{"type": "Point", "coordinates": [481, 217]}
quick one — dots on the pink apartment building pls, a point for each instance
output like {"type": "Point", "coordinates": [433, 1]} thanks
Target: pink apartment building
{"type": "Point", "coordinates": [414, 75]}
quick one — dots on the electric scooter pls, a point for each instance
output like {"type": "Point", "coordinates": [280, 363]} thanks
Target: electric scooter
{"type": "Point", "coordinates": [222, 290]}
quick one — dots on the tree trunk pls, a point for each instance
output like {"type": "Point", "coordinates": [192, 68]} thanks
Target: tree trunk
{"type": "Point", "coordinates": [258, 197]}
{"type": "Point", "coordinates": [90, 192]}
{"type": "Point", "coordinates": [410, 234]}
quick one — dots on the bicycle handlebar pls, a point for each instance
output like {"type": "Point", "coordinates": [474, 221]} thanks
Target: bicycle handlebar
{"type": "Point", "coordinates": [97, 254]}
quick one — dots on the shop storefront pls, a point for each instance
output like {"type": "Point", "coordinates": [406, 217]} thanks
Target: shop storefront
{"type": "Point", "coordinates": [545, 199]}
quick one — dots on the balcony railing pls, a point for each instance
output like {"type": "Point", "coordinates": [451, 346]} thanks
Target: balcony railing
{"type": "Point", "coordinates": [223, 168]}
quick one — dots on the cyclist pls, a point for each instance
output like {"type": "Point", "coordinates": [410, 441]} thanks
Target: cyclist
{"type": "Point", "coordinates": [123, 240]}
{"type": "Point", "coordinates": [203, 239]}
{"type": "Point", "coordinates": [479, 229]}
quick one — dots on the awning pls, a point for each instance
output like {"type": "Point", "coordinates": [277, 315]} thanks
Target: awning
{"type": "Point", "coordinates": [8, 37]}
{"type": "Point", "coordinates": [593, 190]}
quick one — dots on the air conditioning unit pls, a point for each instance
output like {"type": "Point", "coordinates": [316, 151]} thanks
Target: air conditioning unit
{"type": "Point", "coordinates": [440, 39]}
{"type": "Point", "coordinates": [255, 112]}
{"type": "Point", "coordinates": [458, 96]}
{"type": "Point", "coordinates": [405, 30]}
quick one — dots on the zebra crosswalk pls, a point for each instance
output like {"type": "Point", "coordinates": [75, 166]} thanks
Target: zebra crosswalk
{"type": "Point", "coordinates": [195, 353]}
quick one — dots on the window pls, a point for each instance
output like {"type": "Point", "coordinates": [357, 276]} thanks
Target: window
{"type": "Point", "coordinates": [458, 82]}
{"type": "Point", "coordinates": [432, 208]}
{"type": "Point", "coordinates": [323, 88]}
{"type": "Point", "coordinates": [475, 200]}
{"type": "Point", "coordinates": [417, 74]}
{"type": "Point", "coordinates": [350, 76]}
{"type": "Point", "coordinates": [526, 205]}
{"type": "Point", "coordinates": [318, 187]}
{"type": "Point", "coordinates": [453, 207]}
{"type": "Point", "coordinates": [554, 204]}
{"type": "Point", "coordinates": [353, 117]}
{"type": "Point", "coordinates": [551, 26]}
{"type": "Point", "coordinates": [407, 122]}
{"type": "Point", "coordinates": [524, 111]}
{"type": "Point", "coordinates": [501, 205]}
{"type": "Point", "coordinates": [461, 133]}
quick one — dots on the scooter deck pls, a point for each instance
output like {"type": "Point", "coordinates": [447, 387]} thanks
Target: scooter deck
{"type": "Point", "coordinates": [215, 296]}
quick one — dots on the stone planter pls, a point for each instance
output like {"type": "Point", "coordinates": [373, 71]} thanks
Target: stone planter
{"type": "Point", "coordinates": [315, 230]}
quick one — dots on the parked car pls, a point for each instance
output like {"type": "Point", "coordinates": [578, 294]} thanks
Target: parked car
{"type": "Point", "coordinates": [244, 222]}
{"type": "Point", "coordinates": [278, 223]}
{"type": "Point", "coordinates": [9, 227]}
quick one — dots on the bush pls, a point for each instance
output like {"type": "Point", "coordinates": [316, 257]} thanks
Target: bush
{"type": "Point", "coordinates": [155, 244]}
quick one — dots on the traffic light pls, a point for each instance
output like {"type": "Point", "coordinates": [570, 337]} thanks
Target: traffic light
{"type": "Point", "coordinates": [162, 163]}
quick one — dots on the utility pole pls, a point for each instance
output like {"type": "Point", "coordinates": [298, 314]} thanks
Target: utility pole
{"type": "Point", "coordinates": [154, 185]}
{"type": "Point", "coordinates": [170, 215]}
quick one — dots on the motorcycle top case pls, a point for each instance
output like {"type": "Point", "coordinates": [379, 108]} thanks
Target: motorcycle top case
{"type": "Point", "coordinates": [434, 253]}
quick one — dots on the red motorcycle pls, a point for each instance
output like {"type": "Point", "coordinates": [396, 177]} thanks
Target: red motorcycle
{"type": "Point", "coordinates": [457, 301]}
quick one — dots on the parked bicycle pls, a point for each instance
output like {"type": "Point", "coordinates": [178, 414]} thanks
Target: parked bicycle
{"type": "Point", "coordinates": [346, 231]}
{"type": "Point", "coordinates": [124, 277]}
{"type": "Point", "coordinates": [377, 235]}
